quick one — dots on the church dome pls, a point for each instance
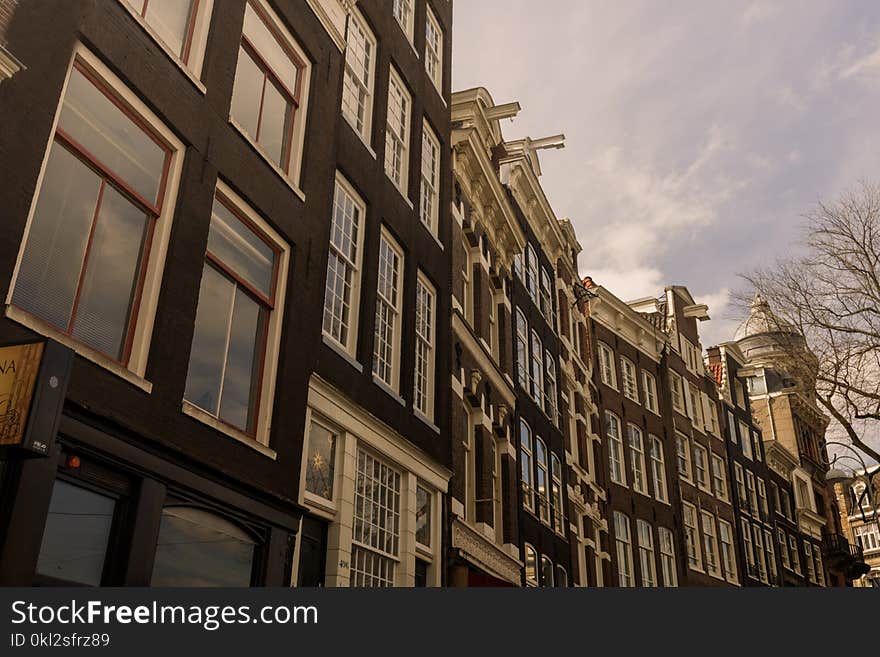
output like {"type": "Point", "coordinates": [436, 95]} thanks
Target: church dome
{"type": "Point", "coordinates": [761, 321]}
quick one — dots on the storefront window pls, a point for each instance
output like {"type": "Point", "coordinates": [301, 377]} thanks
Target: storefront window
{"type": "Point", "coordinates": [76, 535]}
{"type": "Point", "coordinates": [199, 548]}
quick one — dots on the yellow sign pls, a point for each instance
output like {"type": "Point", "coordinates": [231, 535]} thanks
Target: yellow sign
{"type": "Point", "coordinates": [19, 366]}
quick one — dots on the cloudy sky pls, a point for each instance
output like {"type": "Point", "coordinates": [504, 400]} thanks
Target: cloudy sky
{"type": "Point", "coordinates": [698, 133]}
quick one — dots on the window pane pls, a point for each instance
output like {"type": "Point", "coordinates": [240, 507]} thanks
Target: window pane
{"type": "Point", "coordinates": [198, 548]}
{"type": "Point", "coordinates": [241, 250]}
{"type": "Point", "coordinates": [275, 124]}
{"type": "Point", "coordinates": [56, 242]}
{"type": "Point", "coordinates": [76, 534]}
{"type": "Point", "coordinates": [423, 516]}
{"type": "Point", "coordinates": [239, 382]}
{"type": "Point", "coordinates": [247, 93]}
{"type": "Point", "coordinates": [170, 19]}
{"type": "Point", "coordinates": [321, 463]}
{"type": "Point", "coordinates": [92, 119]}
{"type": "Point", "coordinates": [110, 280]}
{"type": "Point", "coordinates": [269, 48]}
{"type": "Point", "coordinates": [209, 341]}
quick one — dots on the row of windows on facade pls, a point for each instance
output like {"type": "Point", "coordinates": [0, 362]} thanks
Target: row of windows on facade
{"type": "Point", "coordinates": [92, 258]}
{"type": "Point", "coordinates": [542, 479]}
{"type": "Point", "coordinates": [536, 368]}
{"type": "Point", "coordinates": [270, 93]}
{"type": "Point", "coordinates": [649, 575]}
{"type": "Point", "coordinates": [548, 576]}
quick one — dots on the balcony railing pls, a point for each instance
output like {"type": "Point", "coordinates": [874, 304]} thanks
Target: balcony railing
{"type": "Point", "coordinates": [845, 557]}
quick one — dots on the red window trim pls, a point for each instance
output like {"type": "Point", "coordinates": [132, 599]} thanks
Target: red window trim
{"type": "Point", "coordinates": [190, 27]}
{"type": "Point", "coordinates": [152, 210]}
{"type": "Point", "coordinates": [292, 96]}
{"type": "Point", "coordinates": [268, 303]}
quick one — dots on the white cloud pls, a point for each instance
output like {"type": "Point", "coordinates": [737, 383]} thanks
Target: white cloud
{"type": "Point", "coordinates": [867, 65]}
{"type": "Point", "coordinates": [722, 325]}
{"type": "Point", "coordinates": [629, 284]}
{"type": "Point", "coordinates": [759, 12]}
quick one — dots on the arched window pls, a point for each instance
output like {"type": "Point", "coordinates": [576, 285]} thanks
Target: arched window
{"type": "Point", "coordinates": [525, 451]}
{"type": "Point", "coordinates": [542, 480]}
{"type": "Point", "coordinates": [531, 563]}
{"type": "Point", "coordinates": [546, 572]}
{"type": "Point", "coordinates": [558, 512]}
{"type": "Point", "coordinates": [200, 548]}
{"type": "Point", "coordinates": [561, 577]}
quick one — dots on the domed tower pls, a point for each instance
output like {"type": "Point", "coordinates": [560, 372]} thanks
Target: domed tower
{"type": "Point", "coordinates": [781, 375]}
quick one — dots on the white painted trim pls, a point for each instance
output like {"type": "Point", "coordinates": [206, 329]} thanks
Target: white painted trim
{"type": "Point", "coordinates": [194, 70]}
{"type": "Point", "coordinates": [206, 418]}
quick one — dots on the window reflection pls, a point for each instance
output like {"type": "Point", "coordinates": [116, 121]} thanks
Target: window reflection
{"type": "Point", "coordinates": [75, 538]}
{"type": "Point", "coordinates": [199, 548]}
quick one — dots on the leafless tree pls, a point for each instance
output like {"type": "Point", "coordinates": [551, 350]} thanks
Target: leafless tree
{"type": "Point", "coordinates": [830, 293]}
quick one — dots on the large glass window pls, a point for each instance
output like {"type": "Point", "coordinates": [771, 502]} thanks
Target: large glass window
{"type": "Point", "coordinates": [359, 80]}
{"type": "Point", "coordinates": [628, 378]}
{"type": "Point", "coordinates": [637, 459]}
{"type": "Point", "coordinates": [556, 494]}
{"type": "Point", "coordinates": [343, 267]}
{"type": "Point", "coordinates": [615, 448]}
{"type": "Point", "coordinates": [77, 532]}
{"type": "Point", "coordinates": [658, 469]}
{"type": "Point", "coordinates": [269, 80]}
{"type": "Point", "coordinates": [397, 132]}
{"type": "Point", "coordinates": [542, 480]}
{"type": "Point", "coordinates": [606, 366]}
{"type": "Point", "coordinates": [403, 12]}
{"type": "Point", "coordinates": [376, 534]}
{"type": "Point", "coordinates": [434, 50]}
{"type": "Point", "coordinates": [89, 239]}
{"type": "Point", "coordinates": [236, 299]}
{"type": "Point", "coordinates": [522, 350]}
{"type": "Point", "coordinates": [172, 20]}
{"type": "Point", "coordinates": [623, 543]}
{"type": "Point", "coordinates": [710, 544]}
{"type": "Point", "coordinates": [728, 560]}
{"type": "Point", "coordinates": [525, 457]}
{"type": "Point", "coordinates": [200, 548]}
{"type": "Point", "coordinates": [537, 370]}
{"type": "Point", "coordinates": [321, 461]}
{"type": "Point", "coordinates": [386, 342]}
{"type": "Point", "coordinates": [430, 187]}
{"type": "Point", "coordinates": [424, 500]}
{"type": "Point", "coordinates": [719, 478]}
{"type": "Point", "coordinates": [692, 536]}
{"type": "Point", "coordinates": [550, 386]}
{"type": "Point", "coordinates": [426, 302]}
{"type": "Point", "coordinates": [649, 388]}
{"type": "Point", "coordinates": [646, 553]}
{"type": "Point", "coordinates": [667, 557]}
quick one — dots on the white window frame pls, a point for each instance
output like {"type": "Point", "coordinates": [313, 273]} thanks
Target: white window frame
{"type": "Point", "coordinates": [748, 548]}
{"type": "Point", "coordinates": [636, 442]}
{"type": "Point", "coordinates": [527, 450]}
{"type": "Point", "coordinates": [198, 39]}
{"type": "Point", "coordinates": [728, 556]}
{"type": "Point", "coordinates": [427, 341]}
{"type": "Point", "coordinates": [782, 540]}
{"type": "Point", "coordinates": [623, 545]}
{"type": "Point", "coordinates": [676, 390]}
{"type": "Point", "coordinates": [367, 87]}
{"type": "Point", "coordinates": [134, 371]}
{"type": "Point", "coordinates": [710, 544]}
{"type": "Point", "coordinates": [430, 179]}
{"type": "Point", "coordinates": [550, 388]}
{"type": "Point", "coordinates": [795, 554]}
{"type": "Point", "coordinates": [706, 483]}
{"type": "Point", "coordinates": [719, 478]}
{"type": "Point", "coordinates": [690, 519]}
{"type": "Point", "coordinates": [523, 362]}
{"type": "Point", "coordinates": [667, 556]}
{"type": "Point", "coordinates": [680, 439]}
{"type": "Point", "coordinates": [434, 57]}
{"type": "Point", "coordinates": [771, 555]}
{"type": "Point", "coordinates": [294, 171]}
{"type": "Point", "coordinates": [615, 449]}
{"type": "Point", "coordinates": [537, 368]}
{"type": "Point", "coordinates": [752, 491]}
{"type": "Point", "coordinates": [404, 13]}
{"type": "Point", "coordinates": [746, 441]}
{"type": "Point", "coordinates": [396, 83]}
{"type": "Point", "coordinates": [629, 382]}
{"type": "Point", "coordinates": [607, 370]}
{"type": "Point", "coordinates": [758, 537]}
{"type": "Point", "coordinates": [647, 561]}
{"type": "Point", "coordinates": [658, 469]}
{"type": "Point", "coordinates": [762, 499]}
{"type": "Point", "coordinates": [261, 436]}
{"type": "Point", "coordinates": [342, 186]}
{"type": "Point", "coordinates": [649, 388]}
{"type": "Point", "coordinates": [395, 307]}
